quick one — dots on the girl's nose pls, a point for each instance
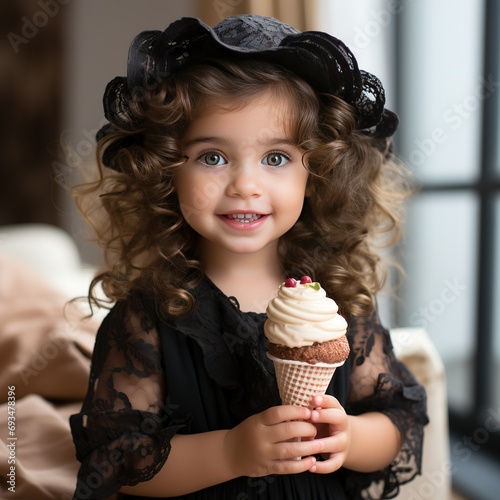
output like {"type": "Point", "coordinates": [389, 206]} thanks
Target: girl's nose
{"type": "Point", "coordinates": [245, 182]}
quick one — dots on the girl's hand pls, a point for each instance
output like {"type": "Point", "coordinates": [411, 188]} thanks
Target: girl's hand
{"type": "Point", "coordinates": [332, 424]}
{"type": "Point", "coordinates": [263, 443]}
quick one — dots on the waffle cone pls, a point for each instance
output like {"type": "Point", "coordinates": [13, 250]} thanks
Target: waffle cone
{"type": "Point", "coordinates": [299, 381]}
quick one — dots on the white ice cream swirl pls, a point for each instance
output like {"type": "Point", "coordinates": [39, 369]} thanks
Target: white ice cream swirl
{"type": "Point", "coordinates": [301, 315]}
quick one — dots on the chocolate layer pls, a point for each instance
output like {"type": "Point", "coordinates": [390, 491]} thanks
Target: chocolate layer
{"type": "Point", "coordinates": [333, 351]}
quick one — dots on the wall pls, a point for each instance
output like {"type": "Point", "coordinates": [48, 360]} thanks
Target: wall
{"type": "Point", "coordinates": [98, 36]}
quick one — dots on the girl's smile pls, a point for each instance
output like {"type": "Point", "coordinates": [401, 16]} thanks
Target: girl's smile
{"type": "Point", "coordinates": [243, 184]}
{"type": "Point", "coordinates": [244, 222]}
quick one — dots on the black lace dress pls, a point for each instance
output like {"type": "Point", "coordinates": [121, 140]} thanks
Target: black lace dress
{"type": "Point", "coordinates": [151, 380]}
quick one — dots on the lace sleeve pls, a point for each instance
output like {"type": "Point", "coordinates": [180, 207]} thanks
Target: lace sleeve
{"type": "Point", "coordinates": [123, 431]}
{"type": "Point", "coordinates": [379, 382]}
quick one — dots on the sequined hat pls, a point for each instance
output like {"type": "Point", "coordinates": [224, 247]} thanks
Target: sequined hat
{"type": "Point", "coordinates": [322, 60]}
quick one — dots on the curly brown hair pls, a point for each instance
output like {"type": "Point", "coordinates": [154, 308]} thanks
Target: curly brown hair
{"type": "Point", "coordinates": [355, 190]}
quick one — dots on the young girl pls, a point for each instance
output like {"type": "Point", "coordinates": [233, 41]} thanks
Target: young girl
{"type": "Point", "coordinates": [236, 157]}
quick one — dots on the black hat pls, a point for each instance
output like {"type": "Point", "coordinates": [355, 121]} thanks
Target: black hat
{"type": "Point", "coordinates": [322, 60]}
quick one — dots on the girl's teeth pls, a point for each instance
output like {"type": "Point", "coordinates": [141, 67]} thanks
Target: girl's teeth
{"type": "Point", "coordinates": [245, 218]}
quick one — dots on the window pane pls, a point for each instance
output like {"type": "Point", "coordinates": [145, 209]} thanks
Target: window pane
{"type": "Point", "coordinates": [442, 88]}
{"type": "Point", "coordinates": [439, 290]}
{"type": "Point", "coordinates": [496, 311]}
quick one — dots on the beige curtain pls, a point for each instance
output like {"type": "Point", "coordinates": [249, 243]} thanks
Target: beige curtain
{"type": "Point", "coordinates": [301, 14]}
{"type": "Point", "coordinates": [32, 57]}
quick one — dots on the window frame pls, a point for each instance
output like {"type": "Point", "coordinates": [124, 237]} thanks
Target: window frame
{"type": "Point", "coordinates": [486, 187]}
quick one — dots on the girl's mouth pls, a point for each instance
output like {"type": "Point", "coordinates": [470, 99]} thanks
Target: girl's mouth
{"type": "Point", "coordinates": [244, 218]}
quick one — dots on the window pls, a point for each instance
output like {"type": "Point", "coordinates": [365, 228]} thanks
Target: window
{"type": "Point", "coordinates": [448, 81]}
{"type": "Point", "coordinates": [439, 62]}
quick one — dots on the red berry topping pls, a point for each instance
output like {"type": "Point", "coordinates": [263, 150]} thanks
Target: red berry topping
{"type": "Point", "coordinates": [305, 279]}
{"type": "Point", "coordinates": [290, 283]}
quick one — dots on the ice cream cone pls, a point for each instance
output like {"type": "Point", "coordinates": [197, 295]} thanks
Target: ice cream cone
{"type": "Point", "coordinates": [298, 381]}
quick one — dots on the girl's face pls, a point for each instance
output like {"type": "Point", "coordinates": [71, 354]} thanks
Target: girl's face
{"type": "Point", "coordinates": [243, 184]}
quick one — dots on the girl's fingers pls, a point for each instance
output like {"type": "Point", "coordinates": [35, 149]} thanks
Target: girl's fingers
{"type": "Point", "coordinates": [336, 443]}
{"type": "Point", "coordinates": [333, 463]}
{"type": "Point", "coordinates": [290, 450]}
{"type": "Point", "coordinates": [286, 431]}
{"type": "Point", "coordinates": [328, 411]}
{"type": "Point", "coordinates": [332, 416]}
{"type": "Point", "coordinates": [292, 466]}
{"type": "Point", "coordinates": [293, 458]}
{"type": "Point", "coordinates": [297, 451]}
{"type": "Point", "coordinates": [278, 414]}
{"type": "Point", "coordinates": [324, 402]}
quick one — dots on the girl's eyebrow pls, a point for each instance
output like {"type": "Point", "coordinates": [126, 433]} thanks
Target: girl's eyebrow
{"type": "Point", "coordinates": [199, 140]}
{"type": "Point", "coordinates": [271, 142]}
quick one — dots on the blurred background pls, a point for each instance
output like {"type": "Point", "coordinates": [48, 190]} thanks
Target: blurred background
{"type": "Point", "coordinates": [439, 62]}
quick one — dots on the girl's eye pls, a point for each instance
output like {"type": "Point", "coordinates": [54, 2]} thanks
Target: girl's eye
{"type": "Point", "coordinates": [275, 159]}
{"type": "Point", "coordinates": [212, 159]}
